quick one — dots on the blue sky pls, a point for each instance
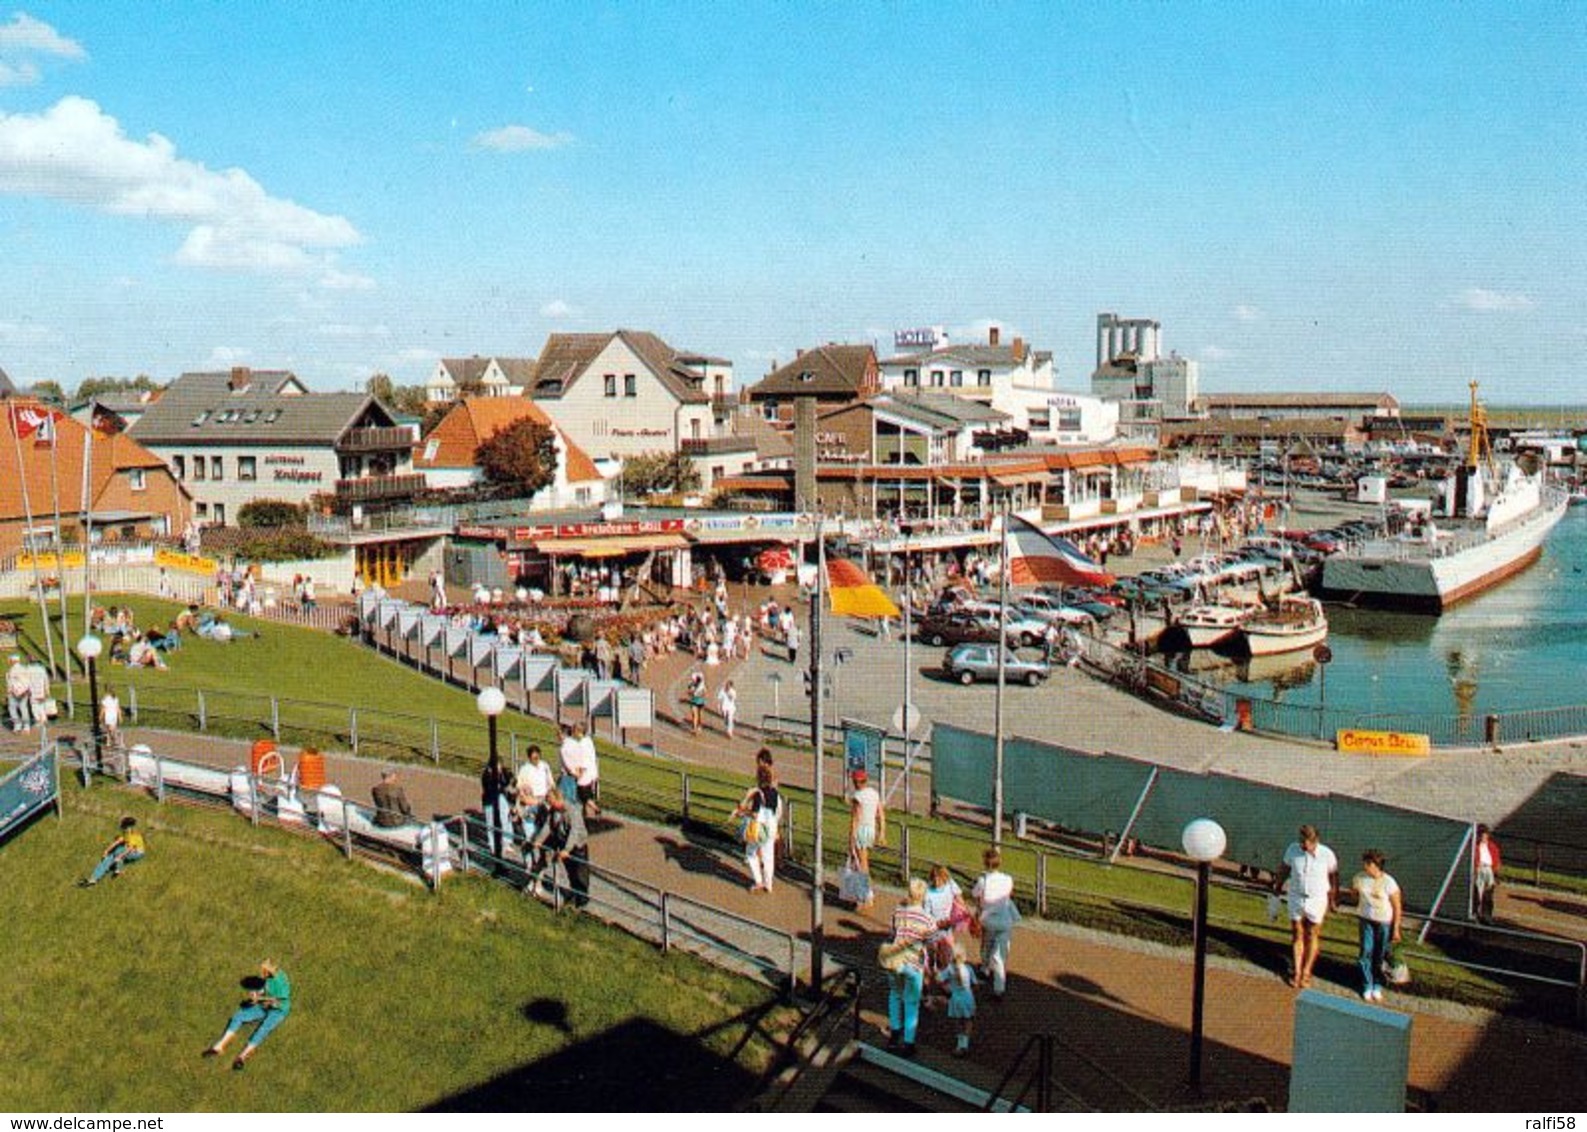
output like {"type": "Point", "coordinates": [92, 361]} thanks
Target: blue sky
{"type": "Point", "coordinates": [1335, 196]}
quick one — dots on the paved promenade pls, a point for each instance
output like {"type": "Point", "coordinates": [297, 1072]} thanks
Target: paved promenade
{"type": "Point", "coordinates": [1121, 1006]}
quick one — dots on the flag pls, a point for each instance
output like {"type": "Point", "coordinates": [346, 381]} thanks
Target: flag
{"type": "Point", "coordinates": [1034, 556]}
{"type": "Point", "coordinates": [35, 421]}
{"type": "Point", "coordinates": [853, 592]}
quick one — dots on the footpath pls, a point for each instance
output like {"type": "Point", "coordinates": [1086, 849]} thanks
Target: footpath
{"type": "Point", "coordinates": [1120, 1007]}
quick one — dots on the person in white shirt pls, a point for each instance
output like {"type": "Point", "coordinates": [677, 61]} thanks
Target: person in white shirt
{"type": "Point", "coordinates": [1312, 871]}
{"type": "Point", "coordinates": [110, 719]}
{"type": "Point", "coordinates": [727, 704]}
{"type": "Point", "coordinates": [867, 823]}
{"type": "Point", "coordinates": [534, 783]}
{"type": "Point", "coordinates": [580, 761]}
{"type": "Point", "coordinates": [995, 908]}
{"type": "Point", "coordinates": [18, 701]}
{"type": "Point", "coordinates": [1379, 905]}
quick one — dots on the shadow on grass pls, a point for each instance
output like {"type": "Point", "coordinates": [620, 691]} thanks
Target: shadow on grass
{"type": "Point", "coordinates": [636, 1066]}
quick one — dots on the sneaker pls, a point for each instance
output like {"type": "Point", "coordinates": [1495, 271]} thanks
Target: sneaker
{"type": "Point", "coordinates": [1377, 994]}
{"type": "Point", "coordinates": [210, 1051]}
{"type": "Point", "coordinates": [239, 1065]}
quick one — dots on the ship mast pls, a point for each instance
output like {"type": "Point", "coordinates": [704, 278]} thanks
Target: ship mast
{"type": "Point", "coordinates": [1480, 450]}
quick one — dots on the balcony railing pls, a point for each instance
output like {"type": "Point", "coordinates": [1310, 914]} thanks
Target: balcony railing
{"type": "Point", "coordinates": [371, 489]}
{"type": "Point", "coordinates": [376, 439]}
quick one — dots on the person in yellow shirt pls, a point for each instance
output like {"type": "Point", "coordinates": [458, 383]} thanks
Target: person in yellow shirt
{"type": "Point", "coordinates": [123, 851]}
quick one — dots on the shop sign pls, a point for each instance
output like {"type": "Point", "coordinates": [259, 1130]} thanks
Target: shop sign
{"type": "Point", "coordinates": [1358, 742]}
{"type": "Point", "coordinates": [191, 563]}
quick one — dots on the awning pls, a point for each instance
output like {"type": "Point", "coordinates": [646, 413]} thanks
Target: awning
{"type": "Point", "coordinates": [1015, 479]}
{"type": "Point", "coordinates": [608, 547]}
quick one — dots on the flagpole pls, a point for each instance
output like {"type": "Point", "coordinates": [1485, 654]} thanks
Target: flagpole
{"type": "Point", "coordinates": [60, 556]}
{"type": "Point", "coordinates": [33, 554]}
{"type": "Point", "coordinates": [88, 528]}
{"type": "Point", "coordinates": [818, 742]}
{"type": "Point", "coordinates": [1002, 680]}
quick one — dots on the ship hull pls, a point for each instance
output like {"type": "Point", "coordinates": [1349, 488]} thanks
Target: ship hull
{"type": "Point", "coordinates": [1405, 577]}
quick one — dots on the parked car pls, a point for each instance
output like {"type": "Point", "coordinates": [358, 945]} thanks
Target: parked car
{"type": "Point", "coordinates": [968, 663]}
{"type": "Point", "coordinates": [958, 626]}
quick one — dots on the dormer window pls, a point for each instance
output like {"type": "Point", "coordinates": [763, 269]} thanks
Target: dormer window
{"type": "Point", "coordinates": [806, 376]}
{"type": "Point", "coordinates": [250, 416]}
{"type": "Point", "coordinates": [201, 418]}
{"type": "Point", "coordinates": [270, 417]}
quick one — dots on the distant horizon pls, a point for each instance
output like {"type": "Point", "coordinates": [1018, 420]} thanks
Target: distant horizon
{"type": "Point", "coordinates": [1294, 194]}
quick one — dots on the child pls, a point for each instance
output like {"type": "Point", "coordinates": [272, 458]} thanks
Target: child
{"type": "Point", "coordinates": [959, 979]}
{"type": "Point", "coordinates": [123, 851]}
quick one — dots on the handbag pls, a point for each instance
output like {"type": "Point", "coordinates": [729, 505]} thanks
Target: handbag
{"type": "Point", "coordinates": [1395, 970]}
{"type": "Point", "coordinates": [51, 708]}
{"type": "Point", "coordinates": [854, 883]}
{"type": "Point", "coordinates": [751, 831]}
{"type": "Point", "coordinates": [958, 915]}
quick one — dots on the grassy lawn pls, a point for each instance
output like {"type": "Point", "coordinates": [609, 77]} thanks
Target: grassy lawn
{"type": "Point", "coordinates": [324, 676]}
{"type": "Point", "coordinates": [401, 999]}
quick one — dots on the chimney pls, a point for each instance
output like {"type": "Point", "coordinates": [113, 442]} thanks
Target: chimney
{"type": "Point", "coordinates": [1019, 349]}
{"type": "Point", "coordinates": [991, 337]}
{"type": "Point", "coordinates": [239, 380]}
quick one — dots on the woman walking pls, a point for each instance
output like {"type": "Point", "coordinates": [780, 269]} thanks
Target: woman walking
{"type": "Point", "coordinates": [1379, 905]}
{"type": "Point", "coordinates": [994, 901]}
{"type": "Point", "coordinates": [761, 812]}
{"type": "Point", "coordinates": [904, 959]}
{"type": "Point", "coordinates": [696, 700]}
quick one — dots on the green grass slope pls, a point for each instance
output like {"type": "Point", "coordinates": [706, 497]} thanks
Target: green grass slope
{"type": "Point", "coordinates": [471, 999]}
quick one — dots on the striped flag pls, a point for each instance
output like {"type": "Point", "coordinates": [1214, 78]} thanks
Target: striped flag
{"type": "Point", "coordinates": [1034, 556]}
{"type": "Point", "coordinates": [853, 592]}
{"type": "Point", "coordinates": [35, 421]}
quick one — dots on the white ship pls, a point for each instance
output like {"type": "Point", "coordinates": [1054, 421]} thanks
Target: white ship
{"type": "Point", "coordinates": [1485, 527]}
{"type": "Point", "coordinates": [1293, 623]}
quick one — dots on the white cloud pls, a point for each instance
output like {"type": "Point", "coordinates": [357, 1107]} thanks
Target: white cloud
{"type": "Point", "coordinates": [1480, 299]}
{"type": "Point", "coordinates": [516, 139]}
{"type": "Point", "coordinates": [228, 356]}
{"type": "Point", "coordinates": [558, 308]}
{"type": "Point", "coordinates": [1245, 313]}
{"type": "Point", "coordinates": [18, 74]}
{"type": "Point", "coordinates": [1216, 354]}
{"type": "Point", "coordinates": [24, 33]}
{"type": "Point", "coordinates": [75, 152]}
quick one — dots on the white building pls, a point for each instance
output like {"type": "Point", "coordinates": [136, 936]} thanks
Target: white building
{"type": "Point", "coordinates": [1132, 371]}
{"type": "Point", "coordinates": [477, 376]}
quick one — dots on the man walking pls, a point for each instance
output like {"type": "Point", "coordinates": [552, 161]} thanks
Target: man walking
{"type": "Point", "coordinates": [1312, 871]}
{"type": "Point", "coordinates": [563, 836]}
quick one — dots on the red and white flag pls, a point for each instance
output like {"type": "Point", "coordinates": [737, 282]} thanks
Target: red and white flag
{"type": "Point", "coordinates": [35, 421]}
{"type": "Point", "coordinates": [1035, 556]}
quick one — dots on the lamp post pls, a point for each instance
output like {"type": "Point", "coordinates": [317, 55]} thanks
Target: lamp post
{"type": "Point", "coordinates": [1204, 842]}
{"type": "Point", "coordinates": [89, 648]}
{"type": "Point", "coordinates": [491, 703]}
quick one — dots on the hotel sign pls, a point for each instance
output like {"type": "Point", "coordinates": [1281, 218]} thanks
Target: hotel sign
{"type": "Point", "coordinates": [1358, 742]}
{"type": "Point", "coordinates": [919, 337]}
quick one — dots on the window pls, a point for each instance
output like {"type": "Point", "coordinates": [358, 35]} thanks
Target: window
{"type": "Point", "coordinates": [1069, 420]}
{"type": "Point", "coordinates": [983, 377]}
{"type": "Point", "coordinates": [220, 514]}
{"type": "Point", "coordinates": [201, 418]}
{"type": "Point", "coordinates": [250, 416]}
{"type": "Point", "coordinates": [581, 496]}
{"type": "Point", "coordinates": [201, 509]}
{"type": "Point", "coordinates": [270, 417]}
{"type": "Point", "coordinates": [248, 468]}
{"type": "Point", "coordinates": [912, 377]}
{"type": "Point", "coordinates": [431, 447]}
{"type": "Point", "coordinates": [135, 479]}
{"type": "Point", "coordinates": [216, 469]}
{"type": "Point", "coordinates": [198, 468]}
{"type": "Point", "coordinates": [938, 377]}
{"type": "Point", "coordinates": [769, 410]}
{"type": "Point", "coordinates": [956, 378]}
{"type": "Point", "coordinates": [694, 434]}
{"type": "Point", "coordinates": [1040, 420]}
{"type": "Point", "coordinates": [630, 385]}
{"type": "Point", "coordinates": [611, 385]}
{"type": "Point", "coordinates": [179, 466]}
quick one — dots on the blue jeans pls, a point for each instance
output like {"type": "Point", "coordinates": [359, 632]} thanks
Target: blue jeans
{"type": "Point", "coordinates": [903, 1002]}
{"type": "Point", "coordinates": [1374, 950]}
{"type": "Point", "coordinates": [115, 859]}
{"type": "Point", "coordinates": [267, 1018]}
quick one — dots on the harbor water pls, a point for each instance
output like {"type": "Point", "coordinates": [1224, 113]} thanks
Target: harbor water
{"type": "Point", "coordinates": [1519, 646]}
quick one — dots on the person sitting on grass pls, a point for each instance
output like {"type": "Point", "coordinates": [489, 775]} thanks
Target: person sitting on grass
{"type": "Point", "coordinates": [269, 1007]}
{"type": "Point", "coordinates": [123, 851]}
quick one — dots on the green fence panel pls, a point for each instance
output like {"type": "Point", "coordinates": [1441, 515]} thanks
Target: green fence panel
{"type": "Point", "coordinates": [961, 764]}
{"type": "Point", "coordinates": [1260, 819]}
{"type": "Point", "coordinates": [1420, 850]}
{"type": "Point", "coordinates": [1076, 789]}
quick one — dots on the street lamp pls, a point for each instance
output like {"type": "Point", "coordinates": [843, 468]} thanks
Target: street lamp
{"type": "Point", "coordinates": [491, 703]}
{"type": "Point", "coordinates": [1204, 842]}
{"type": "Point", "coordinates": [89, 649]}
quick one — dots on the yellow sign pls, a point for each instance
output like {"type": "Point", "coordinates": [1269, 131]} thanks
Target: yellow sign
{"type": "Point", "coordinates": [192, 563]}
{"type": "Point", "coordinates": [49, 560]}
{"type": "Point", "coordinates": [1382, 742]}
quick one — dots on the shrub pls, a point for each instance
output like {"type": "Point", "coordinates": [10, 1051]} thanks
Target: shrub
{"type": "Point", "coordinates": [269, 514]}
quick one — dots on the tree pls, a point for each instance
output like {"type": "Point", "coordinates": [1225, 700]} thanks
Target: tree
{"type": "Point", "coordinates": [521, 457]}
{"type": "Point", "coordinates": [380, 387]}
{"type": "Point", "coordinates": [95, 386]}
{"type": "Point", "coordinates": [659, 473]}
{"type": "Point", "coordinates": [49, 392]}
{"type": "Point", "coordinates": [398, 398]}
{"type": "Point", "coordinates": [269, 514]}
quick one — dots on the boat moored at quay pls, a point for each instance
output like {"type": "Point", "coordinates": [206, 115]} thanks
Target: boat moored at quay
{"type": "Point", "coordinates": [1487, 525]}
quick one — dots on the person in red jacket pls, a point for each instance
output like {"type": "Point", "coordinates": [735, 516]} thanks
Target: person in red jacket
{"type": "Point", "coordinates": [1485, 873]}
